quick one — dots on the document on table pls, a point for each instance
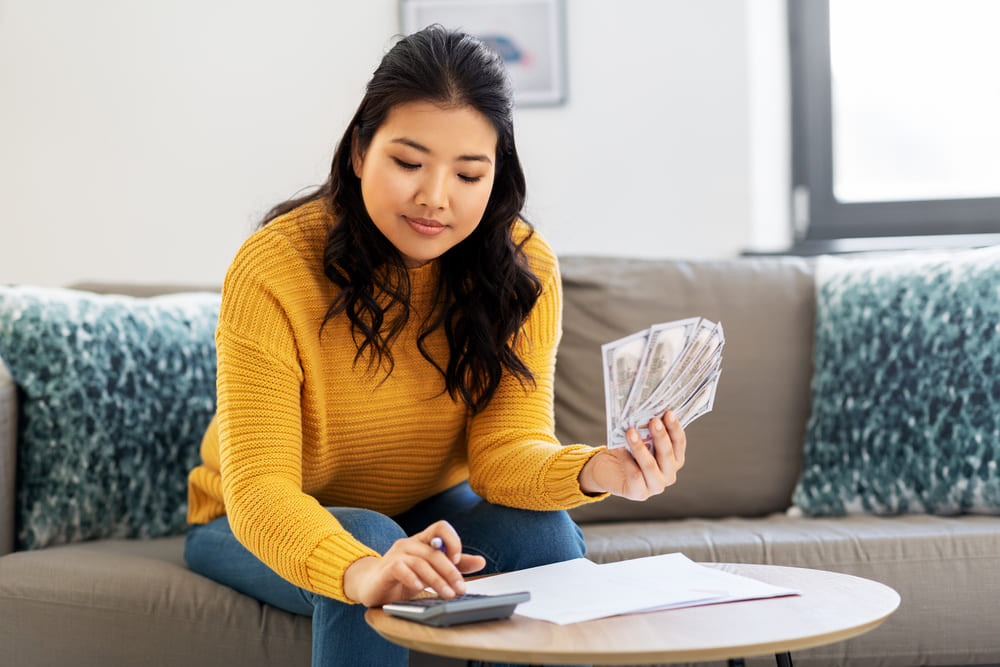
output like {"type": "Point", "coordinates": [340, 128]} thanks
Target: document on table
{"type": "Point", "coordinates": [581, 590]}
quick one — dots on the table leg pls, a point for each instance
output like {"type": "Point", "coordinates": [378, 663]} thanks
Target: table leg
{"type": "Point", "coordinates": [784, 659]}
{"type": "Point", "coordinates": [736, 662]}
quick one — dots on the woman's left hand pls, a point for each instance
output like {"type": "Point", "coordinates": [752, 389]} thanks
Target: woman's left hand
{"type": "Point", "coordinates": [635, 472]}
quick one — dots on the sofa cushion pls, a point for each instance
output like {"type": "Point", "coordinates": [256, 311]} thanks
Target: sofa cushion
{"type": "Point", "coordinates": [906, 394]}
{"type": "Point", "coordinates": [743, 457]}
{"type": "Point", "coordinates": [115, 394]}
{"type": "Point", "coordinates": [134, 602]}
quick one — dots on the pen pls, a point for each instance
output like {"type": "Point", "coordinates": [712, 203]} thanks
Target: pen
{"type": "Point", "coordinates": [438, 544]}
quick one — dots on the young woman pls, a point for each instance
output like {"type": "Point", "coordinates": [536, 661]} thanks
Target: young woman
{"type": "Point", "coordinates": [386, 350]}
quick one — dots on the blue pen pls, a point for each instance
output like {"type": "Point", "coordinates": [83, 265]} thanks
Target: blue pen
{"type": "Point", "coordinates": [438, 544]}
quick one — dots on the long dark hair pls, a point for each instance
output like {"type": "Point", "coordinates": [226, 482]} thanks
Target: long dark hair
{"type": "Point", "coordinates": [486, 287]}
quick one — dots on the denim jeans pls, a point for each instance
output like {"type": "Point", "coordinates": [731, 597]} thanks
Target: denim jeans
{"type": "Point", "coordinates": [508, 538]}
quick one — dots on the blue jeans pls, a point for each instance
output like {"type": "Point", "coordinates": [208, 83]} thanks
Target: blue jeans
{"type": "Point", "coordinates": [508, 538]}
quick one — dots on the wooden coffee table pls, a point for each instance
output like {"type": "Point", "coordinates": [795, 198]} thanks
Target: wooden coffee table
{"type": "Point", "coordinates": [832, 607]}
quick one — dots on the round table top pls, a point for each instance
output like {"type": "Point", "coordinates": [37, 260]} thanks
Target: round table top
{"type": "Point", "coordinates": [831, 607]}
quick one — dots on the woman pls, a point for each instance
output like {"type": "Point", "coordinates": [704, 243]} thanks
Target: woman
{"type": "Point", "coordinates": [386, 350]}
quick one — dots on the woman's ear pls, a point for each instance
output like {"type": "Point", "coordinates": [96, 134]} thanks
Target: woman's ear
{"type": "Point", "coordinates": [357, 156]}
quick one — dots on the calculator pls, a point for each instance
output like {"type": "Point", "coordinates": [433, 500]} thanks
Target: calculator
{"type": "Point", "coordinates": [467, 608]}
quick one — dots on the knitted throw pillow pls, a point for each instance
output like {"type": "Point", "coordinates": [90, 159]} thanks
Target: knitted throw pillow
{"type": "Point", "coordinates": [906, 387]}
{"type": "Point", "coordinates": [115, 394]}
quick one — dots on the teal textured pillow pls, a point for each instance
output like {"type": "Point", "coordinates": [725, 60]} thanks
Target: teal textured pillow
{"type": "Point", "coordinates": [906, 386]}
{"type": "Point", "coordinates": [115, 394]}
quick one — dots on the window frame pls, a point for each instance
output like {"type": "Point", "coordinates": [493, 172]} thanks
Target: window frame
{"type": "Point", "coordinates": [818, 217]}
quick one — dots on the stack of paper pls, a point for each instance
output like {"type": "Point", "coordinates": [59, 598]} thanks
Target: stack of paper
{"type": "Point", "coordinates": [581, 590]}
{"type": "Point", "coordinates": [670, 366]}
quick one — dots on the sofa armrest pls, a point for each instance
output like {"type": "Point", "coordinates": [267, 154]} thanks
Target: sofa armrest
{"type": "Point", "coordinates": [8, 458]}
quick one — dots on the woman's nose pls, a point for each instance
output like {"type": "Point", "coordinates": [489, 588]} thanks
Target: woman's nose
{"type": "Point", "coordinates": [433, 191]}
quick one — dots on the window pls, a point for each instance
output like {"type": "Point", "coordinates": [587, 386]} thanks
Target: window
{"type": "Point", "coordinates": [894, 120]}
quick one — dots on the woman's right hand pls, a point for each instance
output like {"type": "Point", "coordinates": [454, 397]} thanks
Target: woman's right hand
{"type": "Point", "coordinates": [411, 565]}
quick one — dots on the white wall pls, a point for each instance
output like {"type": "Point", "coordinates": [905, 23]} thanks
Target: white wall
{"type": "Point", "coordinates": [140, 141]}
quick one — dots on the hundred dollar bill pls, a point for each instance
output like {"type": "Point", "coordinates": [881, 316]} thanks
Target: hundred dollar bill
{"type": "Point", "coordinates": [676, 400]}
{"type": "Point", "coordinates": [696, 406]}
{"type": "Point", "coordinates": [621, 365]}
{"type": "Point", "coordinates": [701, 403]}
{"type": "Point", "coordinates": [671, 366]}
{"type": "Point", "coordinates": [698, 361]}
{"type": "Point", "coordinates": [663, 349]}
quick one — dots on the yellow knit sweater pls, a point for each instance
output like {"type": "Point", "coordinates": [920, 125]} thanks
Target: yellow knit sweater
{"type": "Point", "coordinates": [300, 426]}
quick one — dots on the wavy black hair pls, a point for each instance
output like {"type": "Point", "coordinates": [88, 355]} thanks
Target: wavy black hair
{"type": "Point", "coordinates": [486, 287]}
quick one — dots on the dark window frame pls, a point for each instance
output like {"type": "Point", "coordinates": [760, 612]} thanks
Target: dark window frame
{"type": "Point", "coordinates": [819, 219]}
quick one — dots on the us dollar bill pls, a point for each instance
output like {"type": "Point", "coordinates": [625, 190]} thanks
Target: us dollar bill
{"type": "Point", "coordinates": [701, 402]}
{"type": "Point", "coordinates": [665, 344]}
{"type": "Point", "coordinates": [622, 359]}
{"type": "Point", "coordinates": [670, 366]}
{"type": "Point", "coordinates": [700, 359]}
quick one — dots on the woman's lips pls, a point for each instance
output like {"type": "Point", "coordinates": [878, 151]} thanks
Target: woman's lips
{"type": "Point", "coordinates": [424, 226]}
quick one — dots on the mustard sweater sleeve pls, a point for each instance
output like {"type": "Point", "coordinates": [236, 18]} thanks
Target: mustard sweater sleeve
{"type": "Point", "coordinates": [514, 456]}
{"type": "Point", "coordinates": [260, 430]}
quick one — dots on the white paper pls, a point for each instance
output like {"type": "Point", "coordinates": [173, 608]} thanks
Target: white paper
{"type": "Point", "coordinates": [581, 590]}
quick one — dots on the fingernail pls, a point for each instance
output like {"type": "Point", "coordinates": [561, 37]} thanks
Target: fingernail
{"type": "Point", "coordinates": [657, 425]}
{"type": "Point", "coordinates": [447, 592]}
{"type": "Point", "coordinates": [633, 436]}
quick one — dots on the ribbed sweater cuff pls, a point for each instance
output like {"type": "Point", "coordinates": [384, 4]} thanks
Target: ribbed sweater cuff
{"type": "Point", "coordinates": [329, 561]}
{"type": "Point", "coordinates": [564, 474]}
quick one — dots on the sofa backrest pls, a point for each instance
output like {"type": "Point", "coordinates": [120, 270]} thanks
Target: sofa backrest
{"type": "Point", "coordinates": [744, 457]}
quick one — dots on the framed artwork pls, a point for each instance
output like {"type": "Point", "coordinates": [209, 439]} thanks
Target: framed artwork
{"type": "Point", "coordinates": [529, 34]}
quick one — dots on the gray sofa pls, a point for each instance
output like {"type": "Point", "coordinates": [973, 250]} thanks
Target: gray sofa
{"type": "Point", "coordinates": [133, 602]}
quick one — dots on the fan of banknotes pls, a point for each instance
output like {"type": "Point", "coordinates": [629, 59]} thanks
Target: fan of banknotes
{"type": "Point", "coordinates": [670, 366]}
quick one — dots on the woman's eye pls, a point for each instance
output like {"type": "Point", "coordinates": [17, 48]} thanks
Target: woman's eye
{"type": "Point", "coordinates": [470, 179]}
{"type": "Point", "coordinates": [406, 165]}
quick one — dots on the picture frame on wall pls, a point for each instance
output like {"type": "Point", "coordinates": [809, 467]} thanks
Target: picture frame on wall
{"type": "Point", "coordinates": [528, 34]}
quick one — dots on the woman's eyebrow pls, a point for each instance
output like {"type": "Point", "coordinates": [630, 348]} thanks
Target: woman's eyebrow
{"type": "Point", "coordinates": [423, 149]}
